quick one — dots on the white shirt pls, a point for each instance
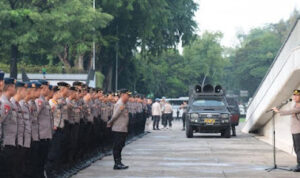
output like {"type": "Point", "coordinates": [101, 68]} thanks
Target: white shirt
{"type": "Point", "coordinates": [156, 110]}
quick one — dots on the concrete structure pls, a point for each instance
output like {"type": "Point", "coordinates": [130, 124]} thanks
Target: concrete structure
{"type": "Point", "coordinates": [277, 86]}
{"type": "Point", "coordinates": [168, 153]}
{"type": "Point", "coordinates": [54, 78]}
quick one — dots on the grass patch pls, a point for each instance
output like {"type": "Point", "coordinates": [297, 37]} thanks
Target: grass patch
{"type": "Point", "coordinates": [242, 119]}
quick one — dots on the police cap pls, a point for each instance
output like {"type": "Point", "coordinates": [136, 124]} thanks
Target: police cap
{"type": "Point", "coordinates": [72, 88]}
{"type": "Point", "coordinates": [77, 83]}
{"type": "Point", "coordinates": [63, 84]}
{"type": "Point", "coordinates": [55, 88]}
{"type": "Point", "coordinates": [124, 91]}
{"type": "Point", "coordinates": [9, 81]}
{"type": "Point", "coordinates": [19, 84]}
{"type": "Point", "coordinates": [36, 84]}
{"type": "Point", "coordinates": [1, 75]}
{"type": "Point", "coordinates": [43, 82]}
{"type": "Point", "coordinates": [296, 92]}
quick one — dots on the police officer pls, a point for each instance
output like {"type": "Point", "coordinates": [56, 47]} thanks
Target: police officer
{"type": "Point", "coordinates": [71, 104]}
{"type": "Point", "coordinates": [27, 127]}
{"type": "Point", "coordinates": [55, 151]}
{"type": "Point", "coordinates": [45, 124]}
{"type": "Point", "coordinates": [20, 150]}
{"type": "Point", "coordinates": [64, 92]}
{"type": "Point", "coordinates": [9, 129]}
{"type": "Point", "coordinates": [34, 159]}
{"type": "Point", "coordinates": [119, 124]}
{"type": "Point", "coordinates": [295, 125]}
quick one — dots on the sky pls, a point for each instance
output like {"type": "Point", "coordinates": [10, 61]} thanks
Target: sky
{"type": "Point", "coordinates": [233, 16]}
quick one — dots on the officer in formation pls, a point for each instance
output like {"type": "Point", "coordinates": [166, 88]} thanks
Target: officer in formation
{"type": "Point", "coordinates": [45, 129]}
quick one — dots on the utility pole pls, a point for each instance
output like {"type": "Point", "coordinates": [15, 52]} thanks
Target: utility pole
{"type": "Point", "coordinates": [94, 45]}
{"type": "Point", "coordinates": [117, 61]}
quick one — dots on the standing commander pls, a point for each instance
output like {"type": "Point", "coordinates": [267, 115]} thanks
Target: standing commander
{"type": "Point", "coordinates": [119, 124]}
{"type": "Point", "coordinates": [295, 125]}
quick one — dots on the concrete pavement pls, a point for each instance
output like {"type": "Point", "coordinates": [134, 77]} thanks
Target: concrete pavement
{"type": "Point", "coordinates": [168, 153]}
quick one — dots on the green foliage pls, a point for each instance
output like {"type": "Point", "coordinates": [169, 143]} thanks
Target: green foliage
{"type": "Point", "coordinates": [99, 79]}
{"type": "Point", "coordinates": [205, 58]}
{"type": "Point", "coordinates": [30, 68]}
{"type": "Point", "coordinates": [170, 74]}
{"type": "Point", "coordinates": [252, 60]}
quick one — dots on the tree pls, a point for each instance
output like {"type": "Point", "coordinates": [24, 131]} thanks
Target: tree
{"type": "Point", "coordinates": [152, 26]}
{"type": "Point", "coordinates": [170, 74]}
{"type": "Point", "coordinates": [252, 60]}
{"type": "Point", "coordinates": [17, 21]}
{"type": "Point", "coordinates": [205, 58]}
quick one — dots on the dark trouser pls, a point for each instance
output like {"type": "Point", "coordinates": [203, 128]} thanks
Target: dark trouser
{"type": "Point", "coordinates": [43, 155]}
{"type": "Point", "coordinates": [119, 143]}
{"type": "Point", "coordinates": [3, 165]}
{"type": "Point", "coordinates": [74, 142]}
{"type": "Point", "coordinates": [296, 140]}
{"type": "Point", "coordinates": [183, 120]}
{"type": "Point", "coordinates": [55, 152]}
{"type": "Point", "coordinates": [156, 122]}
{"type": "Point", "coordinates": [20, 161]}
{"type": "Point", "coordinates": [169, 119]}
{"type": "Point", "coordinates": [164, 120]}
{"type": "Point", "coordinates": [9, 168]}
{"type": "Point", "coordinates": [33, 162]}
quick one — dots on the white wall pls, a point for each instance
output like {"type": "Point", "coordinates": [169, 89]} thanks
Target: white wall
{"type": "Point", "coordinates": [277, 87]}
{"type": "Point", "coordinates": [282, 79]}
{"type": "Point", "coordinates": [283, 132]}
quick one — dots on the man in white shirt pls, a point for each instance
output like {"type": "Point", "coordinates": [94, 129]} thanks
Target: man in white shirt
{"type": "Point", "coordinates": [156, 113]}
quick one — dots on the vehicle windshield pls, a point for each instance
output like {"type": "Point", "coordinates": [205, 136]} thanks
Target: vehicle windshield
{"type": "Point", "coordinates": [176, 102]}
{"type": "Point", "coordinates": [209, 102]}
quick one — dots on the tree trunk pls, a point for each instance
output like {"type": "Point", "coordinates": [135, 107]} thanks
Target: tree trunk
{"type": "Point", "coordinates": [63, 57]}
{"type": "Point", "coordinates": [14, 61]}
{"type": "Point", "coordinates": [109, 78]}
{"type": "Point", "coordinates": [80, 64]}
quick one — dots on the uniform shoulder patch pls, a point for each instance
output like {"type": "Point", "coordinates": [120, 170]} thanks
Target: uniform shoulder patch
{"type": "Point", "coordinates": [6, 108]}
{"type": "Point", "coordinates": [40, 102]}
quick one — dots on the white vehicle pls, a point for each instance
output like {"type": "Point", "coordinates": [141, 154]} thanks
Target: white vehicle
{"type": "Point", "coordinates": [176, 103]}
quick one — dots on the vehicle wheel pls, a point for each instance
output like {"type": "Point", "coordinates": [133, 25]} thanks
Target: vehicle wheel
{"type": "Point", "coordinates": [227, 133]}
{"type": "Point", "coordinates": [189, 131]}
{"type": "Point", "coordinates": [222, 133]}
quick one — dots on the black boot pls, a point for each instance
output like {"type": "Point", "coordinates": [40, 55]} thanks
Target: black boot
{"type": "Point", "coordinates": [119, 165]}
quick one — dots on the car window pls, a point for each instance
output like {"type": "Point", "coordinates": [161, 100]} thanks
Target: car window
{"type": "Point", "coordinates": [208, 102]}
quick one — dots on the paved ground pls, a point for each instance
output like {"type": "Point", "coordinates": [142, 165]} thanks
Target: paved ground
{"type": "Point", "coordinates": [168, 153]}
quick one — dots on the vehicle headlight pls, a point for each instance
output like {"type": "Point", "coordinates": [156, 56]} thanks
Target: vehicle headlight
{"type": "Point", "coordinates": [224, 116]}
{"type": "Point", "coordinates": [194, 116]}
